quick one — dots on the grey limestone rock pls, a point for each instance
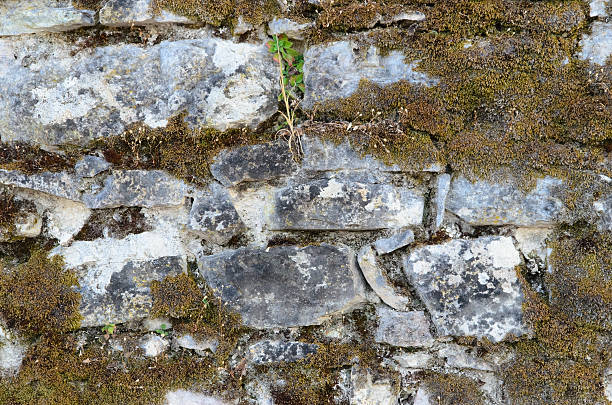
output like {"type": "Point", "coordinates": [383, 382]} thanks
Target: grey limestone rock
{"type": "Point", "coordinates": [597, 46]}
{"type": "Point", "coordinates": [470, 287]}
{"type": "Point", "coordinates": [603, 207]}
{"type": "Point", "coordinates": [376, 278]}
{"type": "Point", "coordinates": [34, 16]}
{"type": "Point", "coordinates": [12, 351]}
{"type": "Point", "coordinates": [291, 28]}
{"type": "Point", "coordinates": [153, 345]}
{"type": "Point", "coordinates": [253, 163]}
{"type": "Point", "coordinates": [200, 345]}
{"type": "Point", "coordinates": [115, 274]}
{"type": "Point", "coordinates": [490, 203]}
{"type": "Point", "coordinates": [394, 242]}
{"type": "Point", "coordinates": [334, 70]}
{"type": "Point", "coordinates": [272, 351]}
{"type": "Point", "coordinates": [442, 187]}
{"type": "Point", "coordinates": [403, 329]}
{"type": "Point", "coordinates": [135, 12]}
{"type": "Point", "coordinates": [285, 286]}
{"type": "Point", "coordinates": [60, 184]}
{"type": "Point", "coordinates": [346, 204]}
{"type": "Point", "coordinates": [138, 188]}
{"type": "Point", "coordinates": [184, 397]}
{"type": "Point", "coordinates": [57, 96]}
{"type": "Point", "coordinates": [214, 217]}
{"type": "Point", "coordinates": [90, 166]}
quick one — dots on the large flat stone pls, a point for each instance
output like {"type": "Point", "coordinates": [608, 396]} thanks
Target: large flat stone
{"type": "Point", "coordinates": [489, 203]}
{"type": "Point", "coordinates": [53, 93]}
{"type": "Point", "coordinates": [59, 184]}
{"type": "Point", "coordinates": [138, 188]}
{"type": "Point", "coordinates": [115, 274]}
{"type": "Point", "coordinates": [253, 163]}
{"type": "Point", "coordinates": [346, 204]}
{"type": "Point", "coordinates": [470, 287]}
{"type": "Point", "coordinates": [597, 46]}
{"type": "Point", "coordinates": [33, 16]}
{"type": "Point", "coordinates": [334, 70]}
{"type": "Point", "coordinates": [285, 286]}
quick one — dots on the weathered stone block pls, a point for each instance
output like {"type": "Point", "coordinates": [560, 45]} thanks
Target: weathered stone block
{"type": "Point", "coordinates": [488, 203]}
{"type": "Point", "coordinates": [404, 329]}
{"type": "Point", "coordinates": [345, 204]}
{"type": "Point", "coordinates": [272, 351]}
{"type": "Point", "coordinates": [285, 286]}
{"type": "Point", "coordinates": [334, 70]}
{"type": "Point", "coordinates": [138, 188]}
{"type": "Point", "coordinates": [115, 274]}
{"type": "Point", "coordinates": [214, 217]}
{"type": "Point", "coordinates": [470, 287]}
{"type": "Point", "coordinates": [76, 97]}
{"type": "Point", "coordinates": [394, 242]}
{"type": "Point", "coordinates": [32, 16]}
{"type": "Point", "coordinates": [253, 163]}
{"type": "Point", "coordinates": [135, 12]}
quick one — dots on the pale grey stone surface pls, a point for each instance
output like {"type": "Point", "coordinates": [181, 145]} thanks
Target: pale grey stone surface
{"type": "Point", "coordinates": [598, 8]}
{"type": "Point", "coordinates": [597, 46]}
{"type": "Point", "coordinates": [442, 188]}
{"type": "Point", "coordinates": [138, 188]}
{"type": "Point", "coordinates": [33, 16]}
{"type": "Point", "coordinates": [135, 12]}
{"type": "Point", "coordinates": [470, 287]}
{"type": "Point", "coordinates": [403, 329]}
{"type": "Point", "coordinates": [378, 281]}
{"type": "Point", "coordinates": [154, 345]}
{"type": "Point", "coordinates": [253, 163]}
{"type": "Point", "coordinates": [334, 70]}
{"type": "Point", "coordinates": [490, 203]}
{"type": "Point", "coordinates": [272, 351]}
{"type": "Point", "coordinates": [59, 184]}
{"type": "Point", "coordinates": [214, 217]}
{"type": "Point", "coordinates": [367, 390]}
{"type": "Point", "coordinates": [115, 274]}
{"type": "Point", "coordinates": [12, 351]}
{"type": "Point", "coordinates": [603, 207]}
{"type": "Point", "coordinates": [183, 397]}
{"type": "Point", "coordinates": [199, 345]}
{"type": "Point", "coordinates": [51, 95]}
{"type": "Point", "coordinates": [285, 286]}
{"type": "Point", "coordinates": [291, 28]}
{"type": "Point", "coordinates": [394, 242]}
{"type": "Point", "coordinates": [346, 204]}
{"type": "Point", "coordinates": [90, 166]}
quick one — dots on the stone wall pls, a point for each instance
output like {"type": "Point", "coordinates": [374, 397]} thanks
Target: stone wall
{"type": "Point", "coordinates": [437, 230]}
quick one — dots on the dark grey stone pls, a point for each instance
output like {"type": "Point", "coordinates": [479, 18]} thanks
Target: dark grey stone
{"type": "Point", "coordinates": [470, 287]}
{"type": "Point", "coordinates": [90, 166]}
{"type": "Point", "coordinates": [344, 204]}
{"type": "Point", "coordinates": [214, 217]}
{"type": "Point", "coordinates": [59, 184]}
{"type": "Point", "coordinates": [34, 16]}
{"type": "Point", "coordinates": [273, 351]}
{"type": "Point", "coordinates": [253, 163]}
{"type": "Point", "coordinates": [285, 286]}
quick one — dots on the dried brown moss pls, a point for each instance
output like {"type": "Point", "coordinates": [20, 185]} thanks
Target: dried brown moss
{"type": "Point", "coordinates": [222, 12]}
{"type": "Point", "coordinates": [182, 151]}
{"type": "Point", "coordinates": [32, 159]}
{"type": "Point", "coordinates": [38, 297]}
{"type": "Point", "coordinates": [453, 389]}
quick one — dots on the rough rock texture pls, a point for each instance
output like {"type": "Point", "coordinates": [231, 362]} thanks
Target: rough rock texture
{"type": "Point", "coordinates": [115, 287]}
{"type": "Point", "coordinates": [367, 391]}
{"type": "Point", "coordinates": [135, 12]}
{"type": "Point", "coordinates": [392, 243]}
{"type": "Point", "coordinates": [59, 184]}
{"type": "Point", "coordinates": [214, 217]}
{"type": "Point", "coordinates": [24, 17]}
{"type": "Point", "coordinates": [333, 71]}
{"type": "Point", "coordinates": [292, 29]}
{"type": "Point", "coordinates": [73, 99]}
{"type": "Point", "coordinates": [469, 286]}
{"type": "Point", "coordinates": [285, 286]}
{"type": "Point", "coordinates": [183, 397]}
{"type": "Point", "coordinates": [269, 351]}
{"type": "Point", "coordinates": [442, 188]}
{"type": "Point", "coordinates": [603, 207]}
{"type": "Point", "coordinates": [90, 166]}
{"type": "Point", "coordinates": [154, 345]}
{"type": "Point", "coordinates": [378, 280]}
{"type": "Point", "coordinates": [350, 204]}
{"type": "Point", "coordinates": [488, 203]}
{"type": "Point", "coordinates": [12, 351]}
{"type": "Point", "coordinates": [252, 163]}
{"type": "Point", "coordinates": [597, 46]}
{"type": "Point", "coordinates": [200, 346]}
{"type": "Point", "coordinates": [404, 329]}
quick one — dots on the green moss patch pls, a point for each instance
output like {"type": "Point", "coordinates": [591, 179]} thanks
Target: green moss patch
{"type": "Point", "coordinates": [453, 389]}
{"type": "Point", "coordinates": [38, 297]}
{"type": "Point", "coordinates": [222, 12]}
{"type": "Point", "coordinates": [182, 151]}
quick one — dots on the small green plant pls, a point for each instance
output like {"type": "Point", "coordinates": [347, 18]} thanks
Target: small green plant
{"type": "Point", "coordinates": [108, 329]}
{"type": "Point", "coordinates": [291, 78]}
{"type": "Point", "coordinates": [163, 330]}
